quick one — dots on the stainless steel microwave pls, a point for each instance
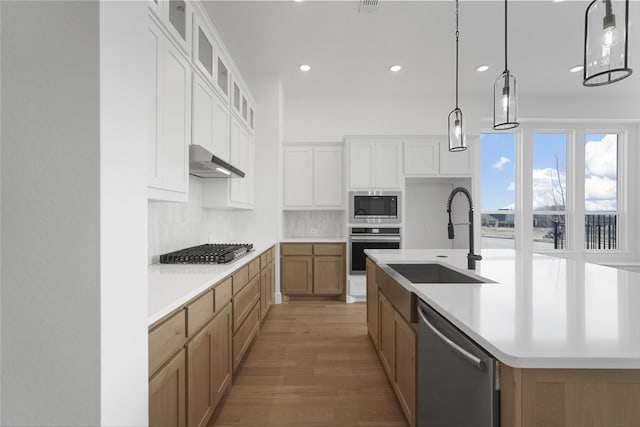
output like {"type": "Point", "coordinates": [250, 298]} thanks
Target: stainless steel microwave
{"type": "Point", "coordinates": [374, 207]}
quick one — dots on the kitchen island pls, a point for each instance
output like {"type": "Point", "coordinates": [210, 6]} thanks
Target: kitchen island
{"type": "Point", "coordinates": [566, 333]}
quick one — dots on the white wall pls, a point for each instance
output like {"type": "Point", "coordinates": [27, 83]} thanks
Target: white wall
{"type": "Point", "coordinates": [125, 109]}
{"type": "Point", "coordinates": [320, 118]}
{"type": "Point", "coordinates": [426, 219]}
{"type": "Point", "coordinates": [51, 214]}
{"type": "Point", "coordinates": [73, 199]}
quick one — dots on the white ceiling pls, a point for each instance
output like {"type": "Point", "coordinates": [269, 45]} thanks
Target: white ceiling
{"type": "Point", "coordinates": [350, 52]}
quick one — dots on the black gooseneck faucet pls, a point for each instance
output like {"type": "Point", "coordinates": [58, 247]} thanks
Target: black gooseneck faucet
{"type": "Point", "coordinates": [471, 257]}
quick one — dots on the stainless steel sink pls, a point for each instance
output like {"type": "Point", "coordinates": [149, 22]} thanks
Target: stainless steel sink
{"type": "Point", "coordinates": [432, 273]}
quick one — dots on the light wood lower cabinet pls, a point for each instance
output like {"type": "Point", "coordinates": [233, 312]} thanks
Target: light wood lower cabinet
{"type": "Point", "coordinates": [372, 303]}
{"type": "Point", "coordinates": [297, 275]}
{"type": "Point", "coordinates": [222, 339]}
{"type": "Point", "coordinates": [569, 397]}
{"type": "Point", "coordinates": [200, 366]}
{"type": "Point", "coordinates": [313, 269]}
{"type": "Point", "coordinates": [245, 335]}
{"type": "Point", "coordinates": [328, 275]}
{"type": "Point", "coordinates": [267, 289]}
{"type": "Point", "coordinates": [396, 341]}
{"type": "Point", "coordinates": [406, 370]}
{"type": "Point", "coordinates": [387, 337]}
{"type": "Point", "coordinates": [167, 402]}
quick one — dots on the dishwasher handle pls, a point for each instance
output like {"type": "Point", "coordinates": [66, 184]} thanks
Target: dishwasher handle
{"type": "Point", "coordinates": [464, 353]}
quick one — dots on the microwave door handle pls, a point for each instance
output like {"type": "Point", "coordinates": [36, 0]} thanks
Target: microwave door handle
{"type": "Point", "coordinates": [464, 353]}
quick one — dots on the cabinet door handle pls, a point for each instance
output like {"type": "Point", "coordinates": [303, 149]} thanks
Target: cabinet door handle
{"type": "Point", "coordinates": [464, 353]}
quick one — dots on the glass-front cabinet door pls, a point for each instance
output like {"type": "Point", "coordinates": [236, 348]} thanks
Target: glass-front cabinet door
{"type": "Point", "coordinates": [223, 77]}
{"type": "Point", "coordinates": [236, 97]}
{"type": "Point", "coordinates": [203, 52]}
{"type": "Point", "coordinates": [178, 19]}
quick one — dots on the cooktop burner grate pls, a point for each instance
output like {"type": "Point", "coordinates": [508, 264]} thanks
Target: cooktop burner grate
{"type": "Point", "coordinates": [211, 253]}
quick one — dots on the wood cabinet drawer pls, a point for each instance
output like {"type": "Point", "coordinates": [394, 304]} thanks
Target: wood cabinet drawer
{"type": "Point", "coordinates": [254, 267]}
{"type": "Point", "coordinates": [243, 302]}
{"type": "Point", "coordinates": [166, 339]}
{"type": "Point", "coordinates": [329, 249]}
{"type": "Point", "coordinates": [223, 294]}
{"type": "Point", "coordinates": [296, 249]}
{"type": "Point", "coordinates": [242, 339]}
{"type": "Point", "coordinates": [240, 279]}
{"type": "Point", "coordinates": [199, 312]}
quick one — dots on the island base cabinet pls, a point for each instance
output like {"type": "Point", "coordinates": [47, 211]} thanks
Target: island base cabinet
{"type": "Point", "coordinates": [372, 303]}
{"type": "Point", "coordinates": [405, 373]}
{"type": "Point", "coordinates": [167, 403]}
{"type": "Point", "coordinates": [569, 397]}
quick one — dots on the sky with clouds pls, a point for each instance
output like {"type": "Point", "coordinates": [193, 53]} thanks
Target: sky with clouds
{"type": "Point", "coordinates": [549, 171]}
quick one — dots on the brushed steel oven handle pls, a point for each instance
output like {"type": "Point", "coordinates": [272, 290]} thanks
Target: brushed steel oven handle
{"type": "Point", "coordinates": [375, 238]}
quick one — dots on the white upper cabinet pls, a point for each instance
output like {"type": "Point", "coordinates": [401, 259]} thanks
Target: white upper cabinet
{"type": "Point", "coordinates": [457, 163]}
{"type": "Point", "coordinates": [421, 157]}
{"type": "Point", "coordinates": [234, 193]}
{"type": "Point", "coordinates": [175, 16]}
{"type": "Point", "coordinates": [298, 176]}
{"type": "Point", "coordinates": [313, 177]}
{"type": "Point", "coordinates": [204, 54]}
{"type": "Point", "coordinates": [430, 156]}
{"type": "Point", "coordinates": [210, 119]}
{"type": "Point", "coordinates": [328, 183]}
{"type": "Point", "coordinates": [171, 123]}
{"type": "Point", "coordinates": [375, 164]}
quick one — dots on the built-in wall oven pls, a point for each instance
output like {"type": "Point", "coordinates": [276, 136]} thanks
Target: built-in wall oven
{"type": "Point", "coordinates": [362, 238]}
{"type": "Point", "coordinates": [374, 207]}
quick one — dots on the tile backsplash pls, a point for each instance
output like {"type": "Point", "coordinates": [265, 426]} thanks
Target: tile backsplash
{"type": "Point", "coordinates": [174, 226]}
{"type": "Point", "coordinates": [313, 224]}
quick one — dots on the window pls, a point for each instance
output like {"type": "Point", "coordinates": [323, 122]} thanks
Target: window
{"type": "Point", "coordinates": [497, 152]}
{"type": "Point", "coordinates": [556, 187]}
{"type": "Point", "coordinates": [600, 191]}
{"type": "Point", "coordinates": [549, 190]}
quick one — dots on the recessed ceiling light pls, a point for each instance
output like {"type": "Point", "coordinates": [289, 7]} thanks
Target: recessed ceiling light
{"type": "Point", "coordinates": [304, 67]}
{"type": "Point", "coordinates": [482, 68]}
{"type": "Point", "coordinates": [555, 1]}
{"type": "Point", "coordinates": [298, 1]}
{"type": "Point", "coordinates": [395, 68]}
{"type": "Point", "coordinates": [576, 68]}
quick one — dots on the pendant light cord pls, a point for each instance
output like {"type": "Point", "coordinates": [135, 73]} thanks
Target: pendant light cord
{"type": "Point", "coordinates": [457, 38]}
{"type": "Point", "coordinates": [505, 36]}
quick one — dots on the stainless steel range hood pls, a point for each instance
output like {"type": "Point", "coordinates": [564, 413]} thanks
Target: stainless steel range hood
{"type": "Point", "coordinates": [203, 164]}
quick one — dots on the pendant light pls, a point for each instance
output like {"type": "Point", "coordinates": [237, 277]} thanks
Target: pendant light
{"type": "Point", "coordinates": [505, 96]}
{"type": "Point", "coordinates": [457, 140]}
{"type": "Point", "coordinates": [606, 32]}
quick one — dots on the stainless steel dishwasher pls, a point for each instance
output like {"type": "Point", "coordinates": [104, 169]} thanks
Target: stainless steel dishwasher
{"type": "Point", "coordinates": [456, 377]}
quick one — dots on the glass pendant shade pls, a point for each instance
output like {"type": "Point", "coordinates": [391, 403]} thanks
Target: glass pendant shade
{"type": "Point", "coordinates": [505, 102]}
{"type": "Point", "coordinates": [457, 141]}
{"type": "Point", "coordinates": [606, 42]}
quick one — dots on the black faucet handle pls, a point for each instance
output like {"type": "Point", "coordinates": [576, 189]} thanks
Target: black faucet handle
{"type": "Point", "coordinates": [450, 231]}
{"type": "Point", "coordinates": [475, 257]}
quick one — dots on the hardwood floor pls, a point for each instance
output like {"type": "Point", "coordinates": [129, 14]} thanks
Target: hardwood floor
{"type": "Point", "coordinates": [312, 365]}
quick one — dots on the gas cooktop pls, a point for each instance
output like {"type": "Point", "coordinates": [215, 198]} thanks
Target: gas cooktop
{"type": "Point", "coordinates": [211, 253]}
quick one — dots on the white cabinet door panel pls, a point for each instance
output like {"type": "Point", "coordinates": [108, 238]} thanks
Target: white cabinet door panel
{"type": "Point", "coordinates": [421, 157]}
{"type": "Point", "coordinates": [203, 105]}
{"type": "Point", "coordinates": [457, 163]}
{"type": "Point", "coordinates": [328, 188]}
{"type": "Point", "coordinates": [298, 176]}
{"type": "Point", "coordinates": [175, 124]}
{"type": "Point", "coordinates": [361, 164]}
{"type": "Point", "coordinates": [387, 166]}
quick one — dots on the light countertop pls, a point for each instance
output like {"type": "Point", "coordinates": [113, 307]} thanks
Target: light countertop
{"type": "Point", "coordinates": [173, 285]}
{"type": "Point", "coordinates": [541, 312]}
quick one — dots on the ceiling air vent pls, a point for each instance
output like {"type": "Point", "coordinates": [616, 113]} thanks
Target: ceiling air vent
{"type": "Point", "coordinates": [369, 5]}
